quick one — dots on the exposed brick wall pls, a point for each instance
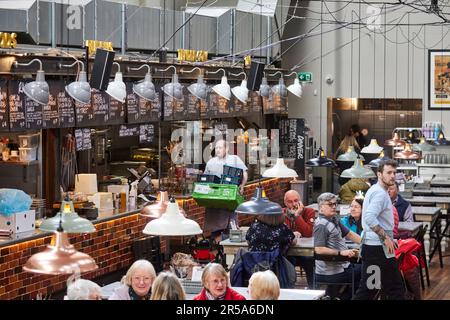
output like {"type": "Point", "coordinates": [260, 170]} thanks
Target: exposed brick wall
{"type": "Point", "coordinates": [110, 246]}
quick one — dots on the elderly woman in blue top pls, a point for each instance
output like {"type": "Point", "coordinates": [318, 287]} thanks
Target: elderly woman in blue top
{"type": "Point", "coordinates": [353, 220]}
{"type": "Point", "coordinates": [329, 234]}
{"type": "Point", "coordinates": [380, 268]}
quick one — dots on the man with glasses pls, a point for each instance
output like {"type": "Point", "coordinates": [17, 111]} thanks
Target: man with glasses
{"type": "Point", "coordinates": [379, 267]}
{"type": "Point", "coordinates": [329, 234]}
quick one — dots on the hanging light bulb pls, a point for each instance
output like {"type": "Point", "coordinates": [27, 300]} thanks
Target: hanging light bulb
{"type": "Point", "coordinates": [320, 160]}
{"type": "Point", "coordinates": [280, 170]}
{"type": "Point", "coordinates": [259, 205]}
{"type": "Point", "coordinates": [358, 171]}
{"type": "Point", "coordinates": [440, 140]}
{"type": "Point", "coordinates": [350, 155]}
{"type": "Point", "coordinates": [264, 88]}
{"type": "Point", "coordinates": [37, 90]}
{"type": "Point", "coordinates": [376, 162]}
{"type": "Point", "coordinates": [373, 147]}
{"type": "Point", "coordinates": [172, 223]}
{"type": "Point", "coordinates": [198, 89]}
{"type": "Point", "coordinates": [241, 92]}
{"type": "Point", "coordinates": [407, 154]}
{"type": "Point", "coordinates": [223, 88]}
{"type": "Point", "coordinates": [71, 221]}
{"type": "Point", "coordinates": [395, 141]}
{"type": "Point", "coordinates": [145, 89]}
{"type": "Point", "coordinates": [155, 210]}
{"type": "Point", "coordinates": [116, 89]}
{"type": "Point", "coordinates": [423, 145]}
{"type": "Point", "coordinates": [79, 90]}
{"type": "Point", "coordinates": [296, 88]}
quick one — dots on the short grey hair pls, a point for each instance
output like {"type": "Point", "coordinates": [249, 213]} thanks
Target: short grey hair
{"type": "Point", "coordinates": [326, 197]}
{"type": "Point", "coordinates": [80, 289]}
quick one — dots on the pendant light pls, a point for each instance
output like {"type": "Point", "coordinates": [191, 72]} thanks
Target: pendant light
{"type": "Point", "coordinates": [264, 88]}
{"type": "Point", "coordinates": [280, 170]}
{"type": "Point", "coordinates": [79, 90]}
{"type": "Point", "coordinates": [423, 145]}
{"type": "Point", "coordinates": [358, 171]}
{"type": "Point", "coordinates": [376, 162]}
{"type": "Point", "coordinates": [173, 89]}
{"type": "Point", "coordinates": [116, 89]}
{"type": "Point", "coordinates": [440, 140]}
{"type": "Point", "coordinates": [350, 155]}
{"type": "Point", "coordinates": [71, 221]}
{"type": "Point", "coordinates": [407, 154]}
{"type": "Point", "coordinates": [60, 257]}
{"type": "Point", "coordinates": [145, 89]}
{"type": "Point", "coordinates": [223, 88]}
{"type": "Point", "coordinates": [320, 160]}
{"type": "Point", "coordinates": [395, 141]}
{"type": "Point", "coordinates": [259, 205]}
{"type": "Point", "coordinates": [172, 223]}
{"type": "Point", "coordinates": [198, 89]}
{"type": "Point", "coordinates": [241, 92]}
{"type": "Point", "coordinates": [295, 88]}
{"type": "Point", "coordinates": [280, 88]}
{"type": "Point", "coordinates": [37, 90]}
{"type": "Point", "coordinates": [158, 208]}
{"type": "Point", "coordinates": [373, 147]}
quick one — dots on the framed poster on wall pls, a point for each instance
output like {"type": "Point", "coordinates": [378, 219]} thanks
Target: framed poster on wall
{"type": "Point", "coordinates": [438, 79]}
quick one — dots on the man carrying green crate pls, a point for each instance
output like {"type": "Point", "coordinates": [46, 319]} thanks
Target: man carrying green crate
{"type": "Point", "coordinates": [218, 220]}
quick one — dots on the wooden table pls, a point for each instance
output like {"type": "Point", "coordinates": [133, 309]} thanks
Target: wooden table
{"type": "Point", "coordinates": [428, 216]}
{"type": "Point", "coordinates": [303, 248]}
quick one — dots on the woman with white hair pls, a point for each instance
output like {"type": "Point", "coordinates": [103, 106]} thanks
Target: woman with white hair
{"type": "Point", "coordinates": [215, 285]}
{"type": "Point", "coordinates": [82, 289]}
{"type": "Point", "coordinates": [264, 285]}
{"type": "Point", "coordinates": [137, 283]}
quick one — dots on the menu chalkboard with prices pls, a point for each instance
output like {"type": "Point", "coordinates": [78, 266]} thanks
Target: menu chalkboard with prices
{"type": "Point", "coordinates": [180, 108]}
{"type": "Point", "coordinates": [17, 121]}
{"type": "Point", "coordinates": [33, 113]}
{"type": "Point", "coordinates": [50, 113]}
{"type": "Point", "coordinates": [116, 111]}
{"type": "Point", "coordinates": [4, 115]}
{"type": "Point", "coordinates": [132, 106]}
{"type": "Point", "coordinates": [256, 102]}
{"type": "Point", "coordinates": [193, 107]}
{"type": "Point", "coordinates": [168, 107]}
{"type": "Point", "coordinates": [146, 133]}
{"type": "Point", "coordinates": [293, 142]}
{"type": "Point", "coordinates": [129, 130]}
{"type": "Point", "coordinates": [216, 105]}
{"type": "Point", "coordinates": [100, 109]}
{"type": "Point", "coordinates": [83, 139]}
{"type": "Point", "coordinates": [66, 109]}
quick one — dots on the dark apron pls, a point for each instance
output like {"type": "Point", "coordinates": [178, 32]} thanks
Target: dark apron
{"type": "Point", "coordinates": [218, 219]}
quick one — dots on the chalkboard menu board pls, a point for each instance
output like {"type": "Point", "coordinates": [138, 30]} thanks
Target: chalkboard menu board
{"type": "Point", "coordinates": [239, 108]}
{"type": "Point", "coordinates": [17, 121]}
{"type": "Point", "coordinates": [4, 115]}
{"type": "Point", "coordinates": [50, 112]}
{"type": "Point", "coordinates": [292, 142]}
{"type": "Point", "coordinates": [116, 111]}
{"type": "Point", "coordinates": [180, 107]}
{"type": "Point", "coordinates": [168, 107]}
{"type": "Point", "coordinates": [129, 130]}
{"type": "Point", "coordinates": [140, 110]}
{"type": "Point", "coordinates": [66, 108]}
{"type": "Point", "coordinates": [84, 114]}
{"type": "Point", "coordinates": [193, 107]}
{"type": "Point", "coordinates": [100, 109]}
{"type": "Point", "coordinates": [83, 139]}
{"type": "Point", "coordinates": [33, 113]}
{"type": "Point", "coordinates": [146, 133]}
{"type": "Point", "coordinates": [255, 102]}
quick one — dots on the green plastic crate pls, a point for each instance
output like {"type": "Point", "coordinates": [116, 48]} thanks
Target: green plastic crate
{"type": "Point", "coordinates": [212, 195]}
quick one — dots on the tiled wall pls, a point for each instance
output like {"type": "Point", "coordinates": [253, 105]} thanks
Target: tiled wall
{"type": "Point", "coordinates": [110, 246]}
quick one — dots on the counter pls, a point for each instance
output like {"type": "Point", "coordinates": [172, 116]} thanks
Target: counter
{"type": "Point", "coordinates": [110, 245]}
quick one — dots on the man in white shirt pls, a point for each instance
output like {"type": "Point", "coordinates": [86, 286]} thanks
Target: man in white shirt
{"type": "Point", "coordinates": [217, 220]}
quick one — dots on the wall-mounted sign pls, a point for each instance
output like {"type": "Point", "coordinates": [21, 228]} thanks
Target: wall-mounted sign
{"type": "Point", "coordinates": [93, 45]}
{"type": "Point", "coordinates": [192, 55]}
{"type": "Point", "coordinates": [305, 76]}
{"type": "Point", "coordinates": [8, 40]}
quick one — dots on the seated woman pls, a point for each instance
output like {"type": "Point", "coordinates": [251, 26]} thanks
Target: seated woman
{"type": "Point", "coordinates": [264, 285]}
{"type": "Point", "coordinates": [137, 283]}
{"type": "Point", "coordinates": [353, 220]}
{"type": "Point", "coordinates": [215, 285]}
{"type": "Point", "coordinates": [167, 286]}
{"type": "Point", "coordinates": [269, 232]}
{"type": "Point", "coordinates": [82, 289]}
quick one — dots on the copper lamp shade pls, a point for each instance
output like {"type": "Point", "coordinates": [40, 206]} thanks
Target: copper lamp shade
{"type": "Point", "coordinates": [158, 208]}
{"type": "Point", "coordinates": [407, 154]}
{"type": "Point", "coordinates": [60, 257]}
{"type": "Point", "coordinates": [395, 141]}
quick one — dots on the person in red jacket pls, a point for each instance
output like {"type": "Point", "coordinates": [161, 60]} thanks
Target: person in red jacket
{"type": "Point", "coordinates": [215, 285]}
{"type": "Point", "coordinates": [301, 221]}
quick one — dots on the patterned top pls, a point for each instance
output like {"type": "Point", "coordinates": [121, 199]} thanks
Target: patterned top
{"type": "Point", "coordinates": [262, 237]}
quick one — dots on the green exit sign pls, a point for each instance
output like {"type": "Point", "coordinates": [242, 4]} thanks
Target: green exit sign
{"type": "Point", "coordinates": [305, 76]}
